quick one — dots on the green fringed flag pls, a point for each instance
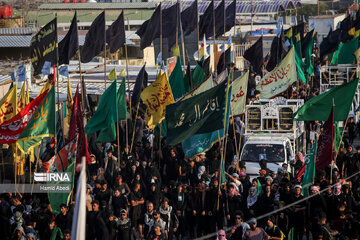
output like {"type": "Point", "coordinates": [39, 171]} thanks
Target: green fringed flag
{"type": "Point", "coordinates": [41, 124]}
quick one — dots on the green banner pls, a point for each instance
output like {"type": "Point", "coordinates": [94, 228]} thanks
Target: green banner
{"type": "Point", "coordinates": [41, 124]}
{"type": "Point", "coordinates": [309, 174]}
{"type": "Point", "coordinates": [203, 113]}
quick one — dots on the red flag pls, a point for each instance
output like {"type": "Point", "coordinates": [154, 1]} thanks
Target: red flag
{"type": "Point", "coordinates": [325, 147]}
{"type": "Point", "coordinates": [11, 129]}
{"type": "Point", "coordinates": [300, 174]}
{"type": "Point", "coordinates": [325, 144]}
{"type": "Point", "coordinates": [77, 127]}
{"type": "Point", "coordinates": [59, 162]}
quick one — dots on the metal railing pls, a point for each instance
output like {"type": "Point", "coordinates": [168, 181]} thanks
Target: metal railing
{"type": "Point", "coordinates": [241, 48]}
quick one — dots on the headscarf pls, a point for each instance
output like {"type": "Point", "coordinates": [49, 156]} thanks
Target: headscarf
{"type": "Point", "coordinates": [222, 232]}
{"type": "Point", "coordinates": [337, 189]}
{"type": "Point", "coordinates": [315, 188]}
{"type": "Point", "coordinates": [300, 156]}
{"type": "Point", "coordinates": [252, 198]}
{"type": "Point", "coordinates": [236, 189]}
{"type": "Point", "coordinates": [201, 171]}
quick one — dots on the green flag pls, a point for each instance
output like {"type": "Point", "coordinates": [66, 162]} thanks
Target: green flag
{"type": "Point", "coordinates": [176, 80]}
{"type": "Point", "coordinates": [109, 134]}
{"type": "Point", "coordinates": [121, 101]}
{"type": "Point", "coordinates": [222, 178]}
{"type": "Point", "coordinates": [291, 234]}
{"type": "Point", "coordinates": [198, 75]}
{"type": "Point", "coordinates": [258, 187]}
{"type": "Point", "coordinates": [298, 60]}
{"type": "Point", "coordinates": [41, 124]}
{"type": "Point", "coordinates": [202, 142]}
{"type": "Point", "coordinates": [202, 113]}
{"type": "Point", "coordinates": [309, 68]}
{"type": "Point", "coordinates": [106, 112]}
{"type": "Point", "coordinates": [344, 54]}
{"type": "Point", "coordinates": [318, 108]}
{"type": "Point", "coordinates": [309, 173]}
{"type": "Point", "coordinates": [337, 137]}
{"type": "Point", "coordinates": [58, 198]}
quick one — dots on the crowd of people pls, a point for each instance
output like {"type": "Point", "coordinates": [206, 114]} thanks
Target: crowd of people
{"type": "Point", "coordinates": [153, 191]}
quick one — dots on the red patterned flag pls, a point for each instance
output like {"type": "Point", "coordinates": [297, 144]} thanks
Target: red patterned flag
{"type": "Point", "coordinates": [11, 129]}
{"type": "Point", "coordinates": [59, 162]}
{"type": "Point", "coordinates": [325, 145]}
{"type": "Point", "coordinates": [77, 127]}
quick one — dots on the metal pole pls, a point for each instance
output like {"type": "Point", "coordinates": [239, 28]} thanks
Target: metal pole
{"type": "Point", "coordinates": [105, 51]}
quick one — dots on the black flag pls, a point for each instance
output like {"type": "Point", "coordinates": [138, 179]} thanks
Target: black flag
{"type": "Point", "coordinates": [189, 18]}
{"type": "Point", "coordinates": [140, 84]}
{"type": "Point", "coordinates": [298, 29]}
{"type": "Point", "coordinates": [255, 55]}
{"type": "Point", "coordinates": [205, 64]}
{"type": "Point", "coordinates": [345, 26]}
{"type": "Point", "coordinates": [70, 43]}
{"type": "Point", "coordinates": [150, 29]}
{"type": "Point", "coordinates": [115, 34]}
{"type": "Point", "coordinates": [87, 109]}
{"type": "Point", "coordinates": [219, 19]}
{"type": "Point", "coordinates": [43, 46]}
{"type": "Point", "coordinates": [305, 42]}
{"type": "Point", "coordinates": [330, 43]}
{"type": "Point", "coordinates": [169, 21]}
{"type": "Point", "coordinates": [94, 40]}
{"type": "Point", "coordinates": [222, 64]}
{"type": "Point", "coordinates": [230, 14]}
{"type": "Point", "coordinates": [277, 51]}
{"type": "Point", "coordinates": [206, 22]}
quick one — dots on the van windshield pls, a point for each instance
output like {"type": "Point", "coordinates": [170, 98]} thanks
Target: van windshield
{"type": "Point", "coordinates": [268, 152]}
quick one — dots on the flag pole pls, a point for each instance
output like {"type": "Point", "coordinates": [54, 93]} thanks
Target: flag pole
{"type": "Point", "coordinates": [128, 83]}
{"type": "Point", "coordinates": [182, 36]}
{"type": "Point", "coordinates": [80, 81]}
{"type": "Point", "coordinates": [105, 49]}
{"type": "Point", "coordinates": [117, 130]}
{"type": "Point", "coordinates": [133, 133]}
{"type": "Point", "coordinates": [57, 82]}
{"type": "Point", "coordinates": [224, 137]}
{"type": "Point", "coordinates": [161, 40]}
{"type": "Point", "coordinates": [213, 35]}
{"type": "Point", "coordinates": [177, 24]}
{"type": "Point", "coordinates": [224, 12]}
{"type": "Point", "coordinates": [332, 141]}
{"type": "Point", "coordinates": [80, 72]}
{"type": "Point", "coordinates": [252, 13]}
{"type": "Point", "coordinates": [197, 24]}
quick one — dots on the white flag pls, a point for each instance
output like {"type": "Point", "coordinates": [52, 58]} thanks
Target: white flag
{"type": "Point", "coordinates": [238, 94]}
{"type": "Point", "coordinates": [279, 79]}
{"type": "Point", "coordinates": [79, 217]}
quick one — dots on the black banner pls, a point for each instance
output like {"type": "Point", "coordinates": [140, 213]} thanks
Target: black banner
{"type": "Point", "coordinates": [43, 46]}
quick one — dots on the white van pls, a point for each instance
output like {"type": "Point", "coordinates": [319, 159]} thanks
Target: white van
{"type": "Point", "coordinates": [276, 149]}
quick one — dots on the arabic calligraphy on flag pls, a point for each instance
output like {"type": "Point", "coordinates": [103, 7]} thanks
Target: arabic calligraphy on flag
{"type": "Point", "coordinates": [202, 113]}
{"type": "Point", "coordinates": [43, 46]}
{"type": "Point", "coordinates": [280, 78]}
{"type": "Point", "coordinates": [156, 97]}
{"type": "Point", "coordinates": [238, 96]}
{"type": "Point", "coordinates": [8, 105]}
{"type": "Point", "coordinates": [11, 130]}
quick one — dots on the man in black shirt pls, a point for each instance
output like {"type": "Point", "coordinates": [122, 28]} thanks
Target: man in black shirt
{"type": "Point", "coordinates": [124, 226]}
{"type": "Point", "coordinates": [63, 219]}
